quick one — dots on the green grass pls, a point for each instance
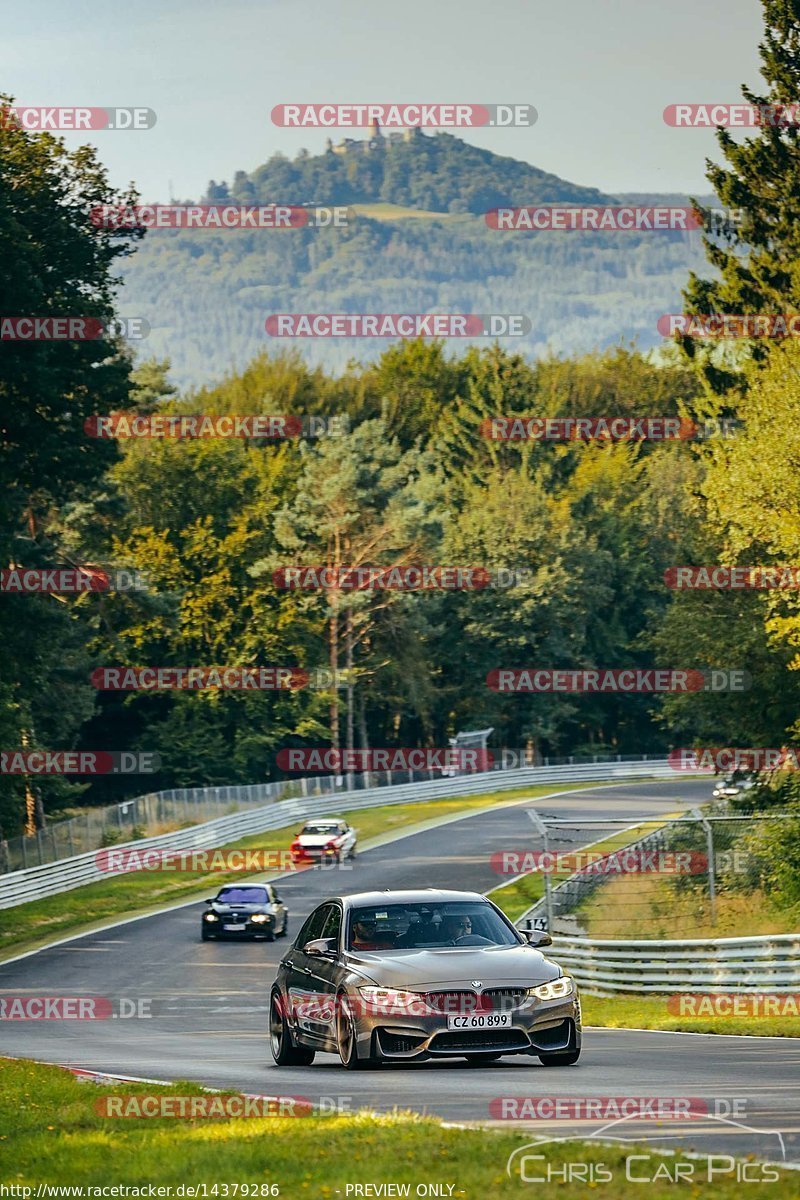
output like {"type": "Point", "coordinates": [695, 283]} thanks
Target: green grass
{"type": "Point", "coordinates": [397, 212]}
{"type": "Point", "coordinates": [28, 926]}
{"type": "Point", "coordinates": [649, 906]}
{"type": "Point", "coordinates": [650, 1012]}
{"type": "Point", "coordinates": [52, 1134]}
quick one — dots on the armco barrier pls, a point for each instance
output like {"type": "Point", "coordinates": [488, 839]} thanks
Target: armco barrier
{"type": "Point", "coordinates": [737, 965]}
{"type": "Point", "coordinates": [18, 887]}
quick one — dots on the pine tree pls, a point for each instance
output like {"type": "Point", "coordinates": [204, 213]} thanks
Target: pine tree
{"type": "Point", "coordinates": [757, 252]}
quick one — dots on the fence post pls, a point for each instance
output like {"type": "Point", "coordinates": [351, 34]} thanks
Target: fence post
{"type": "Point", "coordinates": [548, 894]}
{"type": "Point", "coordinates": [712, 870]}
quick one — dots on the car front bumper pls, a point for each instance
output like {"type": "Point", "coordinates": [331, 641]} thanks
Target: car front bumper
{"type": "Point", "coordinates": [251, 929]}
{"type": "Point", "coordinates": [537, 1027]}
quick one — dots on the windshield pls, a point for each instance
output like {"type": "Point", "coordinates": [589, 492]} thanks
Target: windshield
{"type": "Point", "coordinates": [242, 895]}
{"type": "Point", "coordinates": [427, 926]}
{"type": "Point", "coordinates": [321, 828]}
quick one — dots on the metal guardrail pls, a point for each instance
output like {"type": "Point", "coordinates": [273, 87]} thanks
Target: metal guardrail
{"type": "Point", "coordinates": [35, 883]}
{"type": "Point", "coordinates": [155, 813]}
{"type": "Point", "coordinates": [735, 965]}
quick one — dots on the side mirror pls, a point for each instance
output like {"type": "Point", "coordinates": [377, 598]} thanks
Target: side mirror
{"type": "Point", "coordinates": [537, 938]}
{"type": "Point", "coordinates": [209, 901]}
{"type": "Point", "coordinates": [320, 947]}
{"type": "Point", "coordinates": [277, 898]}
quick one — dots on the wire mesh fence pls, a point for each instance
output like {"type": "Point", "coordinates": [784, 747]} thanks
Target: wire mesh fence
{"type": "Point", "coordinates": [709, 874]}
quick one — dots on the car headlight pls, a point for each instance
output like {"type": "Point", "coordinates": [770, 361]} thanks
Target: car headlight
{"type": "Point", "coordinates": [210, 917]}
{"type": "Point", "coordinates": [555, 990]}
{"type": "Point", "coordinates": [260, 918]}
{"type": "Point", "coordinates": [388, 1000]}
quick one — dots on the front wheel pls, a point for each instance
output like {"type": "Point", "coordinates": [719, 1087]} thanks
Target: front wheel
{"type": "Point", "coordinates": [285, 1050]}
{"type": "Point", "coordinates": [346, 1037]}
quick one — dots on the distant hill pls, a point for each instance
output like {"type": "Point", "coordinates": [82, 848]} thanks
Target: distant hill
{"type": "Point", "coordinates": [418, 243]}
{"type": "Point", "coordinates": [439, 173]}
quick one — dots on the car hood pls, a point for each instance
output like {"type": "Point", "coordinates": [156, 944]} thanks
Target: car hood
{"type": "Point", "coordinates": [227, 906]}
{"type": "Point", "coordinates": [318, 839]}
{"type": "Point", "coordinates": [420, 970]}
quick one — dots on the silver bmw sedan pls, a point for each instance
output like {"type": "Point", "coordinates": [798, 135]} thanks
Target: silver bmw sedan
{"type": "Point", "coordinates": [403, 976]}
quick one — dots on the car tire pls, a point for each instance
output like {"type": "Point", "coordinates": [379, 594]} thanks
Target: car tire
{"type": "Point", "coordinates": [284, 930]}
{"type": "Point", "coordinates": [346, 1038]}
{"type": "Point", "coordinates": [285, 1050]}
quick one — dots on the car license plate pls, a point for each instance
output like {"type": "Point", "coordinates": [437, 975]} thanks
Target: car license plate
{"type": "Point", "coordinates": [235, 928]}
{"type": "Point", "coordinates": [480, 1021]}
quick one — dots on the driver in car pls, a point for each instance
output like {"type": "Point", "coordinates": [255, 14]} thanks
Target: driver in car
{"type": "Point", "coordinates": [366, 937]}
{"type": "Point", "coordinates": [457, 927]}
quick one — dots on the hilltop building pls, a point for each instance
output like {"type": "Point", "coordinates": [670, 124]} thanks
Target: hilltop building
{"type": "Point", "coordinates": [377, 140]}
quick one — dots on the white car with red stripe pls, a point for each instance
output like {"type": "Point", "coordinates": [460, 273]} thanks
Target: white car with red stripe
{"type": "Point", "coordinates": [327, 839]}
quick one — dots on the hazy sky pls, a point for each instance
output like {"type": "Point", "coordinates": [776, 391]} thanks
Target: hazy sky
{"type": "Point", "coordinates": [600, 73]}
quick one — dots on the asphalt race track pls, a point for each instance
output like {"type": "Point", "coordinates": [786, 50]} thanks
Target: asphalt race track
{"type": "Point", "coordinates": [209, 1005]}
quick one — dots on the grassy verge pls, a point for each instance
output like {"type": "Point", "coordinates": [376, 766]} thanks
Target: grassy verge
{"type": "Point", "coordinates": [54, 1135]}
{"type": "Point", "coordinates": [646, 906]}
{"type": "Point", "coordinates": [31, 925]}
{"type": "Point", "coordinates": [650, 1012]}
